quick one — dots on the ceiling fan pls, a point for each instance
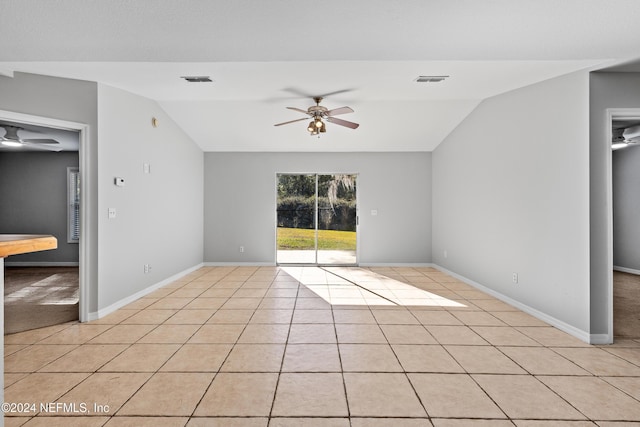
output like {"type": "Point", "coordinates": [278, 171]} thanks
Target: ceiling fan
{"type": "Point", "coordinates": [318, 113]}
{"type": "Point", "coordinates": [625, 137]}
{"type": "Point", "coordinates": [12, 139]}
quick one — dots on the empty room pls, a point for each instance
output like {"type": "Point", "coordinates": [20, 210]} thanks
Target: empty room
{"type": "Point", "coordinates": [365, 213]}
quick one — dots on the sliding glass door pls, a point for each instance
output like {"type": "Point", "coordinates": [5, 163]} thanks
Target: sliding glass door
{"type": "Point", "coordinates": [296, 214]}
{"type": "Point", "coordinates": [316, 219]}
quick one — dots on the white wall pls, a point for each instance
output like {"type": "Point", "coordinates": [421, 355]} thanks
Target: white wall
{"type": "Point", "coordinates": [159, 216]}
{"type": "Point", "coordinates": [511, 194]}
{"type": "Point", "coordinates": [33, 190]}
{"type": "Point", "coordinates": [626, 208]}
{"type": "Point", "coordinates": [240, 203]}
{"type": "Point", "coordinates": [607, 90]}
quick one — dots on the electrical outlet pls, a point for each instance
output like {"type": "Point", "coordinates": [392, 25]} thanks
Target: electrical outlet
{"type": "Point", "coordinates": [514, 277]}
{"type": "Point", "coordinates": [241, 249]}
{"type": "Point", "coordinates": [147, 268]}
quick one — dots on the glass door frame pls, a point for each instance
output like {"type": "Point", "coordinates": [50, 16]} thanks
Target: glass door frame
{"type": "Point", "coordinates": [316, 214]}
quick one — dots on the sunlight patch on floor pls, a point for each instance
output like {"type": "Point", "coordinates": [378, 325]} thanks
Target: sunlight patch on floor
{"type": "Point", "coordinates": [357, 286]}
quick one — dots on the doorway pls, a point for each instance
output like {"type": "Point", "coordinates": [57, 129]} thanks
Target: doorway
{"type": "Point", "coordinates": [74, 234]}
{"type": "Point", "coordinates": [316, 219]}
{"type": "Point", "coordinates": [625, 199]}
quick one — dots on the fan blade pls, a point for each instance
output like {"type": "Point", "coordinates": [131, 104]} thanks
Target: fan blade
{"type": "Point", "coordinates": [41, 141]}
{"type": "Point", "coordinates": [41, 146]}
{"type": "Point", "coordinates": [343, 122]}
{"type": "Point", "coordinates": [302, 94]}
{"type": "Point", "coordinates": [292, 121]}
{"type": "Point", "coordinates": [298, 109]}
{"type": "Point", "coordinates": [341, 110]}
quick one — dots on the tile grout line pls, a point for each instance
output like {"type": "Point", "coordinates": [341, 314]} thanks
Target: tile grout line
{"type": "Point", "coordinates": [284, 353]}
{"type": "Point", "coordinates": [344, 383]}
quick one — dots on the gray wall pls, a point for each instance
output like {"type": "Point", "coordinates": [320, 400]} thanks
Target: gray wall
{"type": "Point", "coordinates": [240, 203]}
{"type": "Point", "coordinates": [607, 90]}
{"type": "Point", "coordinates": [33, 191]}
{"type": "Point", "coordinates": [511, 194]}
{"type": "Point", "coordinates": [160, 214]}
{"type": "Point", "coordinates": [626, 208]}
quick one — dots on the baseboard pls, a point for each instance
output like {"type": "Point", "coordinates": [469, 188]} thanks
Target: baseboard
{"type": "Point", "coordinates": [131, 298]}
{"type": "Point", "coordinates": [396, 264]}
{"type": "Point", "coordinates": [239, 264]}
{"type": "Point", "coordinates": [362, 264]}
{"type": "Point", "coordinates": [626, 270]}
{"type": "Point", "coordinates": [600, 339]}
{"type": "Point", "coordinates": [565, 327]}
{"type": "Point", "coordinates": [41, 264]}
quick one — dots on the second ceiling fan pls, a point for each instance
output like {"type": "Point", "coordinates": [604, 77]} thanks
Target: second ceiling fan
{"type": "Point", "coordinates": [318, 113]}
{"type": "Point", "coordinates": [12, 139]}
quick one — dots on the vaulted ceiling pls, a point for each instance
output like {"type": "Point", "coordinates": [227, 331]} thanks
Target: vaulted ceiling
{"type": "Point", "coordinates": [264, 56]}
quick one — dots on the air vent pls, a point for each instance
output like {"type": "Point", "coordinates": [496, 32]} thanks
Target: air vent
{"type": "Point", "coordinates": [430, 79]}
{"type": "Point", "coordinates": [197, 79]}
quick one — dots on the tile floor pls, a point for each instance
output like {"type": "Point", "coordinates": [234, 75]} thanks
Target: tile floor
{"type": "Point", "coordinates": [277, 346]}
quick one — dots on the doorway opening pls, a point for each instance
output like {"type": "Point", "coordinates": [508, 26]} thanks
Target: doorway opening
{"type": "Point", "coordinates": [625, 229]}
{"type": "Point", "coordinates": [316, 219]}
{"type": "Point", "coordinates": [55, 286]}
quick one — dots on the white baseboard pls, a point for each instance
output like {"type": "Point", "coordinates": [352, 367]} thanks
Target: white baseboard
{"type": "Point", "coordinates": [131, 298]}
{"type": "Point", "coordinates": [239, 264]}
{"type": "Point", "coordinates": [626, 270]}
{"type": "Point", "coordinates": [397, 264]}
{"type": "Point", "coordinates": [41, 264]}
{"type": "Point", "coordinates": [565, 327]}
{"type": "Point", "coordinates": [600, 339]}
{"type": "Point", "coordinates": [363, 264]}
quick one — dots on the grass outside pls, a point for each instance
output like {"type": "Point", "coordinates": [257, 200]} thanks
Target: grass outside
{"type": "Point", "coordinates": [298, 239]}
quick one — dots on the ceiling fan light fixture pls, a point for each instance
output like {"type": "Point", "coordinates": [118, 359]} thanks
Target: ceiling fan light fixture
{"type": "Point", "coordinates": [317, 113]}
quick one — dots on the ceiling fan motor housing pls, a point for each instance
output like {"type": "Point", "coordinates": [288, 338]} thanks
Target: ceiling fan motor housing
{"type": "Point", "coordinates": [12, 132]}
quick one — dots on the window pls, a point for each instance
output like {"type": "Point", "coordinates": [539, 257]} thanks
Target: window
{"type": "Point", "coordinates": [73, 205]}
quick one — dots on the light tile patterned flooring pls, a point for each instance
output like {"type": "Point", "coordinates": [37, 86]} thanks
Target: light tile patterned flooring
{"type": "Point", "coordinates": [258, 346]}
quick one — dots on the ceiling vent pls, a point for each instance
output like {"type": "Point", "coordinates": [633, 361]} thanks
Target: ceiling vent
{"type": "Point", "coordinates": [430, 79]}
{"type": "Point", "coordinates": [197, 79]}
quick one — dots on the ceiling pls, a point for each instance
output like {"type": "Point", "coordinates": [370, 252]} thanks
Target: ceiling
{"type": "Point", "coordinates": [265, 56]}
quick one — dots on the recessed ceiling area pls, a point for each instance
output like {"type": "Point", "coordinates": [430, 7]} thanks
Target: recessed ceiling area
{"type": "Point", "coordinates": [265, 56]}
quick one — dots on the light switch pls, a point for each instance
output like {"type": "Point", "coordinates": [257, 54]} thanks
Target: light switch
{"type": "Point", "coordinates": [146, 168]}
{"type": "Point", "coordinates": [112, 213]}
